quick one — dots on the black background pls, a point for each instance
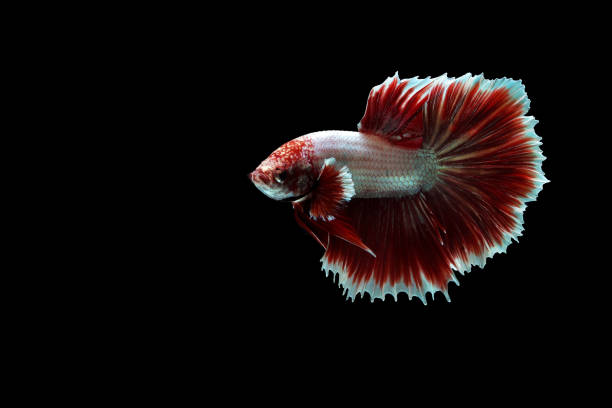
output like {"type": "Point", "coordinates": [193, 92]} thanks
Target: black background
{"type": "Point", "coordinates": [232, 259]}
{"type": "Point", "coordinates": [180, 272]}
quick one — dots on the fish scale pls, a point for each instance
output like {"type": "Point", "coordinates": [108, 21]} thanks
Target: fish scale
{"type": "Point", "coordinates": [378, 168]}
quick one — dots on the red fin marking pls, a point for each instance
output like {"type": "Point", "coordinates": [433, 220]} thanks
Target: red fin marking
{"type": "Point", "coordinates": [394, 111]}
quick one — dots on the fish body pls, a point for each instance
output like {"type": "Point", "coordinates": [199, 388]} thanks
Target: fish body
{"type": "Point", "coordinates": [378, 167]}
{"type": "Point", "coordinates": [434, 180]}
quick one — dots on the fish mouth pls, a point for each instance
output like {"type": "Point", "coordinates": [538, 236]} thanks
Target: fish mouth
{"type": "Point", "coordinates": [258, 176]}
{"type": "Point", "coordinates": [261, 182]}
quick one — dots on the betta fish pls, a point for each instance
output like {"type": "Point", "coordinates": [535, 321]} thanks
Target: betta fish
{"type": "Point", "coordinates": [435, 179]}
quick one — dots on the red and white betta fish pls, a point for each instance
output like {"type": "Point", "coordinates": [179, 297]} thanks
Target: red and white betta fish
{"type": "Point", "coordinates": [435, 179]}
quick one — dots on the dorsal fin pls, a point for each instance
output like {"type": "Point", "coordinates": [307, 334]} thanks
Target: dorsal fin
{"type": "Point", "coordinates": [394, 111]}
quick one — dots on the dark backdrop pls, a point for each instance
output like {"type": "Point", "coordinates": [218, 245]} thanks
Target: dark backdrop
{"type": "Point", "coordinates": [239, 260]}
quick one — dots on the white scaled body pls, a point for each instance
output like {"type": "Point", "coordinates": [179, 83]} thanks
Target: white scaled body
{"type": "Point", "coordinates": [378, 168]}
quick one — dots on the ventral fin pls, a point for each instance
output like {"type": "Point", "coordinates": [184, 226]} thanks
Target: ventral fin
{"type": "Point", "coordinates": [322, 230]}
{"type": "Point", "coordinates": [341, 228]}
{"type": "Point", "coordinates": [304, 221]}
{"type": "Point", "coordinates": [394, 111]}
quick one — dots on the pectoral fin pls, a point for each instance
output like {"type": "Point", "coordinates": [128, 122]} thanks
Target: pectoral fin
{"type": "Point", "coordinates": [321, 212]}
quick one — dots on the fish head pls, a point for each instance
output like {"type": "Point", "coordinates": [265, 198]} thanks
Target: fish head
{"type": "Point", "coordinates": [287, 173]}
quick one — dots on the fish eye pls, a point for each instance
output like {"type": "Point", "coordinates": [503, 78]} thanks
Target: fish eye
{"type": "Point", "coordinates": [280, 177]}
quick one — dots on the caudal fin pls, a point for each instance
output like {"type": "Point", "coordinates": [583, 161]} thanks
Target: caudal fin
{"type": "Point", "coordinates": [489, 164]}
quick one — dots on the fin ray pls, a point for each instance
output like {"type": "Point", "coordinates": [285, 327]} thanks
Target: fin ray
{"type": "Point", "coordinates": [333, 189]}
{"type": "Point", "coordinates": [394, 111]}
